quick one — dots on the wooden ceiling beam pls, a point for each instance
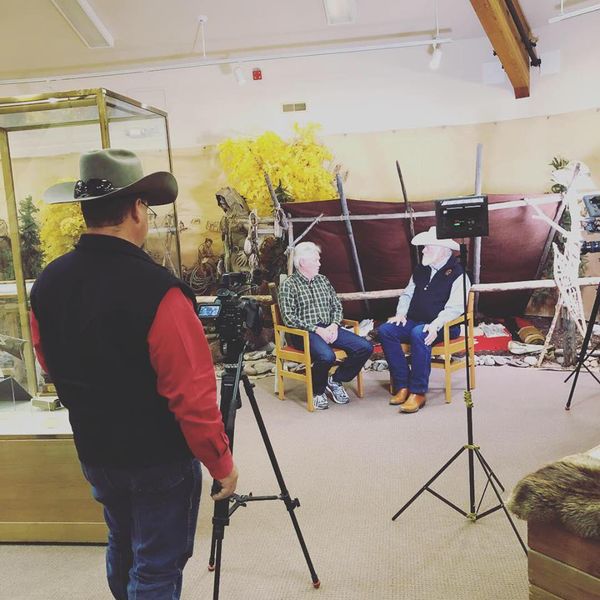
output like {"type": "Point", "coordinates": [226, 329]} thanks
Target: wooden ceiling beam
{"type": "Point", "coordinates": [501, 30]}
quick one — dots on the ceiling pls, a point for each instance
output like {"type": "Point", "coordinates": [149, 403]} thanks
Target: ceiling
{"type": "Point", "coordinates": [37, 42]}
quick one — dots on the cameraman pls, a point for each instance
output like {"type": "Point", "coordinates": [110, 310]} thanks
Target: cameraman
{"type": "Point", "coordinates": [119, 336]}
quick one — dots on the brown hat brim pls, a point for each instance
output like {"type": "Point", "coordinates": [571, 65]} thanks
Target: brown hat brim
{"type": "Point", "coordinates": [156, 189]}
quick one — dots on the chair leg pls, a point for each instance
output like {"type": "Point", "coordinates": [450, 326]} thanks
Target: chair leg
{"type": "Point", "coordinates": [448, 374]}
{"type": "Point", "coordinates": [359, 381]}
{"type": "Point", "coordinates": [472, 366]}
{"type": "Point", "coordinates": [280, 383]}
{"type": "Point", "coordinates": [309, 389]}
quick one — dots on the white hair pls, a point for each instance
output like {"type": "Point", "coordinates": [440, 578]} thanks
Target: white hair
{"type": "Point", "coordinates": [303, 250]}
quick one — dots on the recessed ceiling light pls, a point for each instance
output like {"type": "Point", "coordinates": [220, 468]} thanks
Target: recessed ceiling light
{"type": "Point", "coordinates": [340, 12]}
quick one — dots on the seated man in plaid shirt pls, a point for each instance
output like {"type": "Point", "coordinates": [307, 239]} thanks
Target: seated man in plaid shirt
{"type": "Point", "coordinates": [308, 301]}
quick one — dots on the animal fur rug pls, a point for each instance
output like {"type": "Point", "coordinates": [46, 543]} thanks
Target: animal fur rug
{"type": "Point", "coordinates": [567, 491]}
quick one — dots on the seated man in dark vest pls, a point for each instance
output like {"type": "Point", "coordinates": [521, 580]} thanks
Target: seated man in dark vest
{"type": "Point", "coordinates": [120, 338]}
{"type": "Point", "coordinates": [433, 296]}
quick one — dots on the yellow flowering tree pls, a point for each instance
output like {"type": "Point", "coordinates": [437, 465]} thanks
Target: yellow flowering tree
{"type": "Point", "coordinates": [61, 226]}
{"type": "Point", "coordinates": [298, 165]}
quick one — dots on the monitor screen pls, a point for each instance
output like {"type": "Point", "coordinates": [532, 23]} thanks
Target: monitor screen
{"type": "Point", "coordinates": [209, 310]}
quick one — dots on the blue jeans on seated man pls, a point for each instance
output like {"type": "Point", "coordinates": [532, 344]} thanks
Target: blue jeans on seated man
{"type": "Point", "coordinates": [415, 377]}
{"type": "Point", "coordinates": [151, 513]}
{"type": "Point", "coordinates": [357, 348]}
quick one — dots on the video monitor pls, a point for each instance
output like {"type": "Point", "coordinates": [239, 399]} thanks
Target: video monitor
{"type": "Point", "coordinates": [209, 311]}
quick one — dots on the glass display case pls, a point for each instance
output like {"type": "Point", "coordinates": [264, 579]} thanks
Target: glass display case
{"type": "Point", "coordinates": [41, 139]}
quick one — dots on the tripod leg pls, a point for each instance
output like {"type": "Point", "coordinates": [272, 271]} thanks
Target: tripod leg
{"type": "Point", "coordinates": [285, 495]}
{"type": "Point", "coordinates": [587, 356]}
{"type": "Point", "coordinates": [290, 507]}
{"type": "Point", "coordinates": [213, 549]}
{"type": "Point", "coordinates": [217, 568]}
{"type": "Point", "coordinates": [484, 462]}
{"type": "Point", "coordinates": [426, 486]}
{"type": "Point", "coordinates": [491, 477]}
{"type": "Point", "coordinates": [576, 373]}
{"type": "Point", "coordinates": [584, 345]}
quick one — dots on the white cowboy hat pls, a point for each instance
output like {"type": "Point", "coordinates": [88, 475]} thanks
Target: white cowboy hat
{"type": "Point", "coordinates": [429, 238]}
{"type": "Point", "coordinates": [112, 173]}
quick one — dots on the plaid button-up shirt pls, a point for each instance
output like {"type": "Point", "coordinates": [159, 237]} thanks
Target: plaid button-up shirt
{"type": "Point", "coordinates": [305, 304]}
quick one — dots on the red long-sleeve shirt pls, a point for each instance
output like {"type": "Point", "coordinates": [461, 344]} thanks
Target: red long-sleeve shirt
{"type": "Point", "coordinates": [181, 358]}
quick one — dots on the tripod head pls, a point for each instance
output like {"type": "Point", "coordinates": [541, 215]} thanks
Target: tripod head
{"type": "Point", "coordinates": [232, 316]}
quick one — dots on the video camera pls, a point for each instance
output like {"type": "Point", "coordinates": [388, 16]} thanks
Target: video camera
{"type": "Point", "coordinates": [232, 315]}
{"type": "Point", "coordinates": [589, 247]}
{"type": "Point", "coordinates": [591, 223]}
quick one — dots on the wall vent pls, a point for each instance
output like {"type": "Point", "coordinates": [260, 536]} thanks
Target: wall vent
{"type": "Point", "coordinates": [297, 107]}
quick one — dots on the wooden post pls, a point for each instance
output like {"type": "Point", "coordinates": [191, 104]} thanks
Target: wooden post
{"type": "Point", "coordinates": [272, 193]}
{"type": "Point", "coordinates": [569, 332]}
{"type": "Point", "coordinates": [477, 240]}
{"type": "Point", "coordinates": [346, 213]}
{"type": "Point", "coordinates": [290, 262]}
{"type": "Point", "coordinates": [414, 251]}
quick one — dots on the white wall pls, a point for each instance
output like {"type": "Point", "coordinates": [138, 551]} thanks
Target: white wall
{"type": "Point", "coordinates": [364, 92]}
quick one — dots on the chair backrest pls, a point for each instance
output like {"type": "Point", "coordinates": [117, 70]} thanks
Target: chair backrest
{"type": "Point", "coordinates": [470, 303]}
{"type": "Point", "coordinates": [275, 306]}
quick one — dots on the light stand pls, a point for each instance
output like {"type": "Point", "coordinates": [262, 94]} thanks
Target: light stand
{"type": "Point", "coordinates": [230, 402]}
{"type": "Point", "coordinates": [473, 450]}
{"type": "Point", "coordinates": [584, 354]}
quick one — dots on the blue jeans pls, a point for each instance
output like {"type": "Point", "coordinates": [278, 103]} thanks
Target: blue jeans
{"type": "Point", "coordinates": [415, 378]}
{"type": "Point", "coordinates": [357, 348]}
{"type": "Point", "coordinates": [151, 513]}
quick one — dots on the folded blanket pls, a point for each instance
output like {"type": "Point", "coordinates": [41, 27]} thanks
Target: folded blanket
{"type": "Point", "coordinates": [567, 491]}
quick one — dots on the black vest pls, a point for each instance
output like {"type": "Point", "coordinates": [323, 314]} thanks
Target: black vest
{"type": "Point", "coordinates": [430, 297]}
{"type": "Point", "coordinates": [95, 307]}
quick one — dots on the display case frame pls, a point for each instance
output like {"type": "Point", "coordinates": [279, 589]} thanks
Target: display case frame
{"type": "Point", "coordinates": [84, 107]}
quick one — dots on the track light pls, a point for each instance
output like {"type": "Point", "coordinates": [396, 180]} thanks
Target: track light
{"type": "Point", "coordinates": [199, 39]}
{"type": "Point", "coordinates": [255, 58]}
{"type": "Point", "coordinates": [85, 22]}
{"type": "Point", "coordinates": [239, 74]}
{"type": "Point", "coordinates": [436, 58]}
{"type": "Point", "coordinates": [574, 13]}
{"type": "Point", "coordinates": [436, 55]}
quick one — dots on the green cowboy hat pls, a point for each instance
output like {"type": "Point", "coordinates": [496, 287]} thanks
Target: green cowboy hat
{"type": "Point", "coordinates": [114, 173]}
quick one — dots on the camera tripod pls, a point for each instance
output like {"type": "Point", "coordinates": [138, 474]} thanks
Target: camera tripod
{"type": "Point", "coordinates": [472, 449]}
{"type": "Point", "coordinates": [584, 354]}
{"type": "Point", "coordinates": [230, 402]}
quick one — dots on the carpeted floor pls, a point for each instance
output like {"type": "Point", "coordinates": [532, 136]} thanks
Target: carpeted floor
{"type": "Point", "coordinates": [353, 467]}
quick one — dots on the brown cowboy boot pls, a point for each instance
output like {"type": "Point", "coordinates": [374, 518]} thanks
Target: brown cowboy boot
{"type": "Point", "coordinates": [399, 397]}
{"type": "Point", "coordinates": [413, 403]}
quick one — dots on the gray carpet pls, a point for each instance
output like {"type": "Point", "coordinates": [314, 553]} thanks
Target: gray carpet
{"type": "Point", "coordinates": [353, 467]}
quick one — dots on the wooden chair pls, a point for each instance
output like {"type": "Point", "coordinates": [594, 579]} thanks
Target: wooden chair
{"type": "Point", "coordinates": [284, 352]}
{"type": "Point", "coordinates": [441, 353]}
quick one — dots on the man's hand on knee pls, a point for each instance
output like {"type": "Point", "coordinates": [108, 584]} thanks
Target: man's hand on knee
{"type": "Point", "coordinates": [432, 333]}
{"type": "Point", "coordinates": [328, 334]}
{"type": "Point", "coordinates": [333, 332]}
{"type": "Point", "coordinates": [397, 320]}
{"type": "Point", "coordinates": [323, 333]}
